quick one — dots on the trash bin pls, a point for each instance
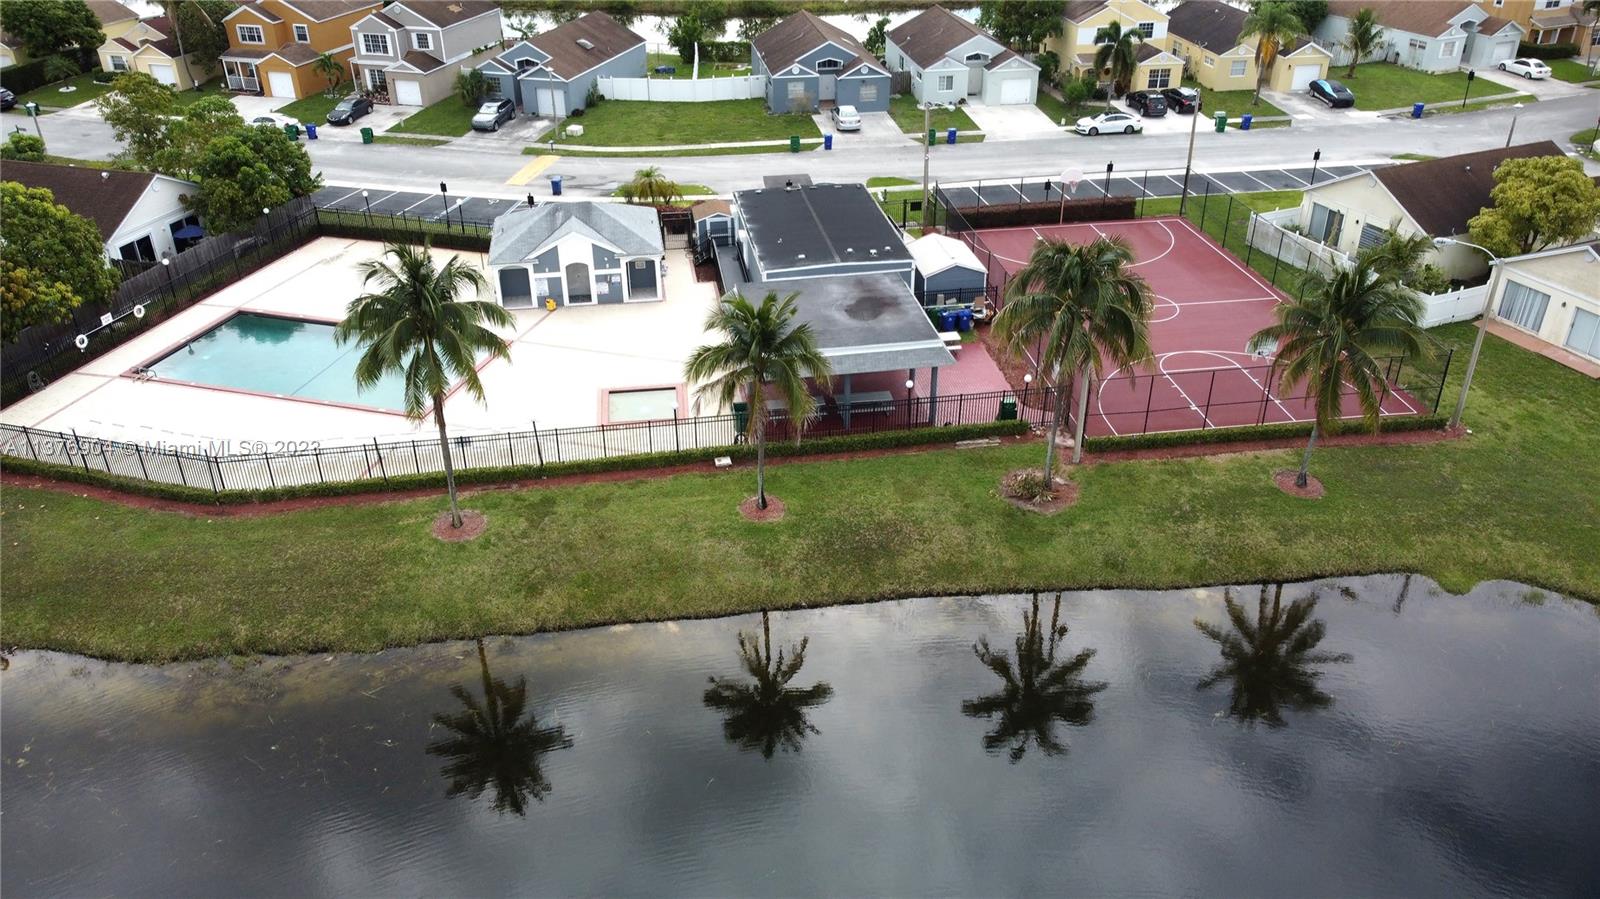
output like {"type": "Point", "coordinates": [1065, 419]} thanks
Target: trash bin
{"type": "Point", "coordinates": [947, 320]}
{"type": "Point", "coordinates": [555, 185]}
{"type": "Point", "coordinates": [311, 131]}
{"type": "Point", "coordinates": [741, 417]}
{"type": "Point", "coordinates": [366, 135]}
{"type": "Point", "coordinates": [964, 320]}
{"type": "Point", "coordinates": [794, 143]}
{"type": "Point", "coordinates": [950, 136]}
{"type": "Point", "coordinates": [1008, 408]}
{"type": "Point", "coordinates": [827, 142]}
{"type": "Point", "coordinates": [933, 136]}
{"type": "Point", "coordinates": [1220, 119]}
{"type": "Point", "coordinates": [1244, 122]}
{"type": "Point", "coordinates": [293, 131]}
{"type": "Point", "coordinates": [1416, 110]}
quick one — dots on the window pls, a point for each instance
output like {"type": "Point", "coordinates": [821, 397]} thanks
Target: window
{"type": "Point", "coordinates": [1371, 236]}
{"type": "Point", "coordinates": [869, 94]}
{"type": "Point", "coordinates": [302, 34]}
{"type": "Point", "coordinates": [421, 40]}
{"type": "Point", "coordinates": [1594, 37]}
{"type": "Point", "coordinates": [1585, 335]}
{"type": "Point", "coordinates": [1499, 3]}
{"type": "Point", "coordinates": [1523, 306]}
{"type": "Point", "coordinates": [250, 34]}
{"type": "Point", "coordinates": [141, 250]}
{"type": "Point", "coordinates": [947, 82]}
{"type": "Point", "coordinates": [1447, 49]}
{"type": "Point", "coordinates": [1325, 224]}
{"type": "Point", "coordinates": [376, 80]}
{"type": "Point", "coordinates": [977, 57]}
{"type": "Point", "coordinates": [1210, 60]}
{"type": "Point", "coordinates": [375, 44]}
{"type": "Point", "coordinates": [119, 63]}
{"type": "Point", "coordinates": [1236, 68]}
{"type": "Point", "coordinates": [1417, 45]}
{"type": "Point", "coordinates": [829, 65]}
{"type": "Point", "coordinates": [1551, 4]}
{"type": "Point", "coordinates": [524, 65]}
{"type": "Point", "coordinates": [1147, 30]}
{"type": "Point", "coordinates": [1160, 78]}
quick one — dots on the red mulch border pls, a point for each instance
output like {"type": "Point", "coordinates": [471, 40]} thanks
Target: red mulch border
{"type": "Point", "coordinates": [773, 512]}
{"type": "Point", "coordinates": [1284, 478]}
{"type": "Point", "coordinates": [472, 527]}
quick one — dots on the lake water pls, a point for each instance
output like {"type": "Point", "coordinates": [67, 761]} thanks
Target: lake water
{"type": "Point", "coordinates": [1383, 738]}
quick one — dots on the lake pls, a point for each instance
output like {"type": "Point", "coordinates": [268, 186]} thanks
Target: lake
{"type": "Point", "coordinates": [1360, 736]}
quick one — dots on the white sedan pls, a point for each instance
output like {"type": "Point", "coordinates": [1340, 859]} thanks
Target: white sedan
{"type": "Point", "coordinates": [1109, 122]}
{"type": "Point", "coordinates": [1527, 68]}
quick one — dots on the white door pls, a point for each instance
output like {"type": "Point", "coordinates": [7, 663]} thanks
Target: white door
{"type": "Point", "coordinates": [559, 97]}
{"type": "Point", "coordinates": [281, 84]}
{"type": "Point", "coordinates": [551, 103]}
{"type": "Point", "coordinates": [1303, 76]}
{"type": "Point", "coordinates": [1014, 91]}
{"type": "Point", "coordinates": [164, 74]}
{"type": "Point", "coordinates": [408, 93]}
{"type": "Point", "coordinates": [827, 87]}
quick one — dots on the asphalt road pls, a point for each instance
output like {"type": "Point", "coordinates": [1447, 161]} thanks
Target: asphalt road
{"type": "Point", "coordinates": [483, 171]}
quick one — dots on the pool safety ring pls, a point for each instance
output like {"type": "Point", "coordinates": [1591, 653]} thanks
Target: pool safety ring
{"type": "Point", "coordinates": [138, 310]}
{"type": "Point", "coordinates": [81, 342]}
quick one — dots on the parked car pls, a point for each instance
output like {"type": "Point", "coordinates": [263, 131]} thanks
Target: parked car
{"type": "Point", "coordinates": [7, 98]}
{"type": "Point", "coordinates": [1110, 122]}
{"type": "Point", "coordinates": [492, 114]}
{"type": "Point", "coordinates": [272, 120]}
{"type": "Point", "coordinates": [1150, 104]}
{"type": "Point", "coordinates": [348, 110]}
{"type": "Point", "coordinates": [1182, 99]}
{"type": "Point", "coordinates": [1527, 68]}
{"type": "Point", "coordinates": [845, 118]}
{"type": "Point", "coordinates": [1336, 95]}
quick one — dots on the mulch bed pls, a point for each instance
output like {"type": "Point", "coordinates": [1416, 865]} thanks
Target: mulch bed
{"type": "Point", "coordinates": [1284, 478]}
{"type": "Point", "coordinates": [1066, 493]}
{"type": "Point", "coordinates": [472, 526]}
{"type": "Point", "coordinates": [773, 512]}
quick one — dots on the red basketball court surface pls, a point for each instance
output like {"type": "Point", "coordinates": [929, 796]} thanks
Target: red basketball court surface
{"type": "Point", "coordinates": [1207, 305]}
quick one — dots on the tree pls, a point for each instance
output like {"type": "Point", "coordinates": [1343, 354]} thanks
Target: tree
{"type": "Point", "coordinates": [1020, 26]}
{"type": "Point", "coordinates": [60, 68]}
{"type": "Point", "coordinates": [491, 743]}
{"type": "Point", "coordinates": [1269, 662]}
{"type": "Point", "coordinates": [763, 354]}
{"type": "Point", "coordinates": [1116, 50]}
{"type": "Point", "coordinates": [1085, 309]}
{"type": "Point", "coordinates": [1309, 12]}
{"type": "Point", "coordinates": [332, 70]}
{"type": "Point", "coordinates": [472, 86]}
{"type": "Point", "coordinates": [1049, 63]}
{"type": "Point", "coordinates": [1401, 258]}
{"type": "Point", "coordinates": [1037, 691]}
{"type": "Point", "coordinates": [417, 325]}
{"type": "Point", "coordinates": [198, 29]}
{"type": "Point", "coordinates": [139, 110]}
{"type": "Point", "coordinates": [54, 260]}
{"type": "Point", "coordinates": [764, 713]}
{"type": "Point", "coordinates": [1538, 202]}
{"type": "Point", "coordinates": [48, 27]}
{"type": "Point", "coordinates": [651, 186]}
{"type": "Point", "coordinates": [23, 148]}
{"type": "Point", "coordinates": [246, 170]}
{"type": "Point", "coordinates": [187, 138]}
{"type": "Point", "coordinates": [1363, 38]}
{"type": "Point", "coordinates": [1334, 336]}
{"type": "Point", "coordinates": [878, 37]}
{"type": "Point", "coordinates": [687, 30]}
{"type": "Point", "coordinates": [1274, 25]}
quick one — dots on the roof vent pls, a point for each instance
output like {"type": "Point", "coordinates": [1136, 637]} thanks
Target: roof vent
{"type": "Point", "coordinates": [585, 43]}
{"type": "Point", "coordinates": [454, 7]}
{"type": "Point", "coordinates": [874, 253]}
{"type": "Point", "coordinates": [799, 255]}
{"type": "Point", "coordinates": [788, 185]}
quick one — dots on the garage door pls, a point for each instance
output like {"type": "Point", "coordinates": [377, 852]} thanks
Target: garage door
{"type": "Point", "coordinates": [551, 103]}
{"type": "Point", "coordinates": [163, 74]}
{"type": "Point", "coordinates": [1014, 91]}
{"type": "Point", "coordinates": [281, 84]}
{"type": "Point", "coordinates": [408, 93]}
{"type": "Point", "coordinates": [1303, 76]}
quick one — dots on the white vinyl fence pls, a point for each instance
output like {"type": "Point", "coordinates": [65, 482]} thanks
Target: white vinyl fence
{"type": "Point", "coordinates": [684, 90]}
{"type": "Point", "coordinates": [1455, 306]}
{"type": "Point", "coordinates": [1267, 233]}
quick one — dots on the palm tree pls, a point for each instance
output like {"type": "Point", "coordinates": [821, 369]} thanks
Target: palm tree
{"type": "Point", "coordinates": [1274, 25]}
{"type": "Point", "coordinates": [1117, 50]}
{"type": "Point", "coordinates": [330, 68]}
{"type": "Point", "coordinates": [763, 354]}
{"type": "Point", "coordinates": [1086, 308]}
{"type": "Point", "coordinates": [491, 744]}
{"type": "Point", "coordinates": [1269, 661]}
{"type": "Point", "coordinates": [1363, 38]}
{"type": "Point", "coordinates": [1399, 257]}
{"type": "Point", "coordinates": [650, 185]}
{"type": "Point", "coordinates": [1036, 691]}
{"type": "Point", "coordinates": [764, 713]}
{"type": "Point", "coordinates": [415, 325]}
{"type": "Point", "coordinates": [472, 86]}
{"type": "Point", "coordinates": [1333, 336]}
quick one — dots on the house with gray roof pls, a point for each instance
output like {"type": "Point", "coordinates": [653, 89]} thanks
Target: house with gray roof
{"type": "Point", "coordinates": [811, 64]}
{"type": "Point", "coordinates": [551, 74]}
{"type": "Point", "coordinates": [950, 60]}
{"type": "Point", "coordinates": [411, 50]}
{"type": "Point", "coordinates": [1431, 35]}
{"type": "Point", "coordinates": [576, 254]}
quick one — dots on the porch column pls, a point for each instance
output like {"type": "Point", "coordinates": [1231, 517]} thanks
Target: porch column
{"type": "Point", "coordinates": [933, 393]}
{"type": "Point", "coordinates": [844, 407]}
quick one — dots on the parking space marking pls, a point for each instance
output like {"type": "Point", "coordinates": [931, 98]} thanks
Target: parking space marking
{"type": "Point", "coordinates": [1293, 175]}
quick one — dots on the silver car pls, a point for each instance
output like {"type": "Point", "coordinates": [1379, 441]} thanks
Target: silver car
{"type": "Point", "coordinates": [845, 118]}
{"type": "Point", "coordinates": [492, 114]}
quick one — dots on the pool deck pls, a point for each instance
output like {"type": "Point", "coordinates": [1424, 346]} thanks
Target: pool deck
{"type": "Point", "coordinates": [561, 364]}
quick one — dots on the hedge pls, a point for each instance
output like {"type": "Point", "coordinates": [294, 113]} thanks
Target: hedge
{"type": "Point", "coordinates": [1246, 433]}
{"type": "Point", "coordinates": [1049, 213]}
{"type": "Point", "coordinates": [1547, 51]}
{"type": "Point", "coordinates": [352, 225]}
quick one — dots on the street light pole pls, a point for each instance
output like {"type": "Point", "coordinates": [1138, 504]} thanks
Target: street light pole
{"type": "Point", "coordinates": [1513, 129]}
{"type": "Point", "coordinates": [445, 196]}
{"type": "Point", "coordinates": [1483, 324]}
{"type": "Point", "coordinates": [1470, 75]}
{"type": "Point", "coordinates": [1194, 123]}
{"type": "Point", "coordinates": [1316, 158]}
{"type": "Point", "coordinates": [367, 199]}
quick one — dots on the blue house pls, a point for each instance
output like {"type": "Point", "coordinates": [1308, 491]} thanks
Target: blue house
{"type": "Point", "coordinates": [811, 64]}
{"type": "Point", "coordinates": [552, 73]}
{"type": "Point", "coordinates": [576, 254]}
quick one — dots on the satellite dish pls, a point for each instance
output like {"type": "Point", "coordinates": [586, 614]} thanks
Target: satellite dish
{"type": "Point", "coordinates": [138, 310]}
{"type": "Point", "coordinates": [81, 342]}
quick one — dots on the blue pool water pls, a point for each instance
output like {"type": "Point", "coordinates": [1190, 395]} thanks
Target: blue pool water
{"type": "Point", "coordinates": [287, 357]}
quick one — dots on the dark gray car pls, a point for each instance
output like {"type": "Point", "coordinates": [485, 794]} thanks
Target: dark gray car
{"type": "Point", "coordinates": [348, 110]}
{"type": "Point", "coordinates": [492, 114]}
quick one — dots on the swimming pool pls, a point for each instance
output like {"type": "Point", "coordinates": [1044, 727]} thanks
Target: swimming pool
{"type": "Point", "coordinates": [279, 356]}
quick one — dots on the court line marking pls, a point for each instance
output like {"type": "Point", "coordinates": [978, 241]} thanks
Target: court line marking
{"type": "Point", "coordinates": [1230, 260]}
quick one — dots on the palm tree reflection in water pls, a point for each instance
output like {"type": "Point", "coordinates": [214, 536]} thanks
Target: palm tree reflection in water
{"type": "Point", "coordinates": [491, 744]}
{"type": "Point", "coordinates": [764, 713]}
{"type": "Point", "coordinates": [1270, 661]}
{"type": "Point", "coordinates": [1037, 690]}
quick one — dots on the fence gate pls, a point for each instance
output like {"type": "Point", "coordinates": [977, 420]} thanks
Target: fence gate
{"type": "Point", "coordinates": [677, 226]}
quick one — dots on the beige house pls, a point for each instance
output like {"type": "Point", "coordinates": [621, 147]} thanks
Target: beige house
{"type": "Point", "coordinates": [1554, 296]}
{"type": "Point", "coordinates": [150, 47]}
{"type": "Point", "coordinates": [1205, 34]}
{"type": "Point", "coordinates": [1437, 198]}
{"type": "Point", "coordinates": [1157, 67]}
{"type": "Point", "coordinates": [115, 21]}
{"type": "Point", "coordinates": [410, 52]}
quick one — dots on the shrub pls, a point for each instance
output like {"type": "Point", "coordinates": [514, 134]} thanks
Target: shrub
{"type": "Point", "coordinates": [60, 68]}
{"type": "Point", "coordinates": [1547, 51]}
{"type": "Point", "coordinates": [104, 77]}
{"type": "Point", "coordinates": [1430, 279]}
{"type": "Point", "coordinates": [23, 148]}
{"type": "Point", "coordinates": [1028, 485]}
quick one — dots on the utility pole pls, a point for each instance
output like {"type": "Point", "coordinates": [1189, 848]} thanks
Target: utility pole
{"type": "Point", "coordinates": [1188, 164]}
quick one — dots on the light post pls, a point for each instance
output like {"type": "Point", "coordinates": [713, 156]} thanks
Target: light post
{"type": "Point", "coordinates": [33, 113]}
{"type": "Point", "coordinates": [444, 196]}
{"type": "Point", "coordinates": [1107, 199]}
{"type": "Point", "coordinates": [531, 202]}
{"type": "Point", "coordinates": [1188, 164]}
{"type": "Point", "coordinates": [1027, 382]}
{"type": "Point", "coordinates": [1513, 129]}
{"type": "Point", "coordinates": [1483, 323]}
{"type": "Point", "coordinates": [1315, 159]}
{"type": "Point", "coordinates": [166, 265]}
{"type": "Point", "coordinates": [927, 147]}
{"type": "Point", "coordinates": [367, 199]}
{"type": "Point", "coordinates": [1470, 75]}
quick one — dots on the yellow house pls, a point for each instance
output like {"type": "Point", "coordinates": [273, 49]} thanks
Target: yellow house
{"type": "Point", "coordinates": [273, 45]}
{"type": "Point", "coordinates": [1551, 295]}
{"type": "Point", "coordinates": [150, 47]}
{"type": "Point", "coordinates": [1205, 34]}
{"type": "Point", "coordinates": [1548, 21]}
{"type": "Point", "coordinates": [1157, 66]}
{"type": "Point", "coordinates": [115, 21]}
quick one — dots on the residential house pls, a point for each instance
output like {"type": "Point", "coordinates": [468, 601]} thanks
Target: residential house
{"type": "Point", "coordinates": [141, 215]}
{"type": "Point", "coordinates": [947, 271]}
{"type": "Point", "coordinates": [553, 73]}
{"type": "Point", "coordinates": [1437, 197]}
{"type": "Point", "coordinates": [1205, 34]}
{"type": "Point", "coordinates": [115, 21]}
{"type": "Point", "coordinates": [151, 47]}
{"type": "Point", "coordinates": [576, 254]}
{"type": "Point", "coordinates": [273, 45]}
{"type": "Point", "coordinates": [410, 52]}
{"type": "Point", "coordinates": [1491, 41]}
{"type": "Point", "coordinates": [1548, 21]}
{"type": "Point", "coordinates": [1428, 35]}
{"type": "Point", "coordinates": [713, 222]}
{"type": "Point", "coordinates": [951, 60]}
{"type": "Point", "coordinates": [1158, 67]}
{"type": "Point", "coordinates": [1554, 295]}
{"type": "Point", "coordinates": [811, 64]}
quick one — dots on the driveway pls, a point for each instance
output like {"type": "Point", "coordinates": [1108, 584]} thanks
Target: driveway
{"type": "Point", "coordinates": [1306, 111]}
{"type": "Point", "coordinates": [1547, 89]}
{"type": "Point", "coordinates": [513, 135]}
{"type": "Point", "coordinates": [1020, 121]}
{"type": "Point", "coordinates": [878, 129]}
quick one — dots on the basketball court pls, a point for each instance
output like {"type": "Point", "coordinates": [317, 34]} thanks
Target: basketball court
{"type": "Point", "coordinates": [1207, 306]}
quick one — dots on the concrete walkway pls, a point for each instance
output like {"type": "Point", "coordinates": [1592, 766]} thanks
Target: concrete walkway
{"type": "Point", "coordinates": [1545, 89]}
{"type": "Point", "coordinates": [1012, 122]}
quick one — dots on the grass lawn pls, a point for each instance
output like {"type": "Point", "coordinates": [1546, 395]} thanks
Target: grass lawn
{"type": "Point", "coordinates": [447, 118]}
{"type": "Point", "coordinates": [708, 69]}
{"type": "Point", "coordinates": [623, 123]}
{"type": "Point", "coordinates": [1382, 85]}
{"type": "Point", "coordinates": [903, 109]}
{"type": "Point", "coordinates": [570, 150]}
{"type": "Point", "coordinates": [313, 109]}
{"type": "Point", "coordinates": [1234, 103]}
{"type": "Point", "coordinates": [688, 190]}
{"type": "Point", "coordinates": [1501, 503]}
{"type": "Point", "coordinates": [408, 141]}
{"type": "Point", "coordinates": [50, 96]}
{"type": "Point", "coordinates": [216, 87]}
{"type": "Point", "coordinates": [1572, 70]}
{"type": "Point", "coordinates": [1584, 140]}
{"type": "Point", "coordinates": [1057, 108]}
{"type": "Point", "coordinates": [889, 181]}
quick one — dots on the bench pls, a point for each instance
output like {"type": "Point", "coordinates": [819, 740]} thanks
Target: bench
{"type": "Point", "coordinates": [952, 339]}
{"type": "Point", "coordinates": [871, 401]}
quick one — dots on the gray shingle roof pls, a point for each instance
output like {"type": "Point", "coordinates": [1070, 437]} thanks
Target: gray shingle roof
{"type": "Point", "coordinates": [633, 230]}
{"type": "Point", "coordinates": [932, 33]}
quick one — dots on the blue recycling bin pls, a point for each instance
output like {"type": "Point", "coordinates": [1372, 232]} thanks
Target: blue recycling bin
{"type": "Point", "coordinates": [555, 185]}
{"type": "Point", "coordinates": [1244, 121]}
{"type": "Point", "coordinates": [311, 131]}
{"type": "Point", "coordinates": [964, 320]}
{"type": "Point", "coordinates": [950, 136]}
{"type": "Point", "coordinates": [947, 320]}
{"type": "Point", "coordinates": [827, 142]}
{"type": "Point", "coordinates": [1416, 110]}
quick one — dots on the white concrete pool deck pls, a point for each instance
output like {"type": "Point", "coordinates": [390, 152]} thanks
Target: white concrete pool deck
{"type": "Point", "coordinates": [561, 365]}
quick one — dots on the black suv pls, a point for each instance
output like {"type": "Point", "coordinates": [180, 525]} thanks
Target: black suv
{"type": "Point", "coordinates": [1182, 99]}
{"type": "Point", "coordinates": [1149, 104]}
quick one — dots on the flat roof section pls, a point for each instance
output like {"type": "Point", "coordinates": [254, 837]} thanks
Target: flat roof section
{"type": "Point", "coordinates": [815, 226]}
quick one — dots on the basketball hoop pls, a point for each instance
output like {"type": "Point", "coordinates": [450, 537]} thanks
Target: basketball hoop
{"type": "Point", "coordinates": [1069, 183]}
{"type": "Point", "coordinates": [1263, 349]}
